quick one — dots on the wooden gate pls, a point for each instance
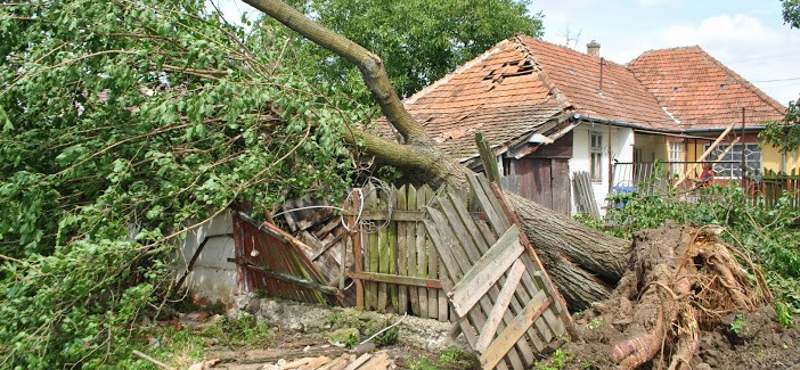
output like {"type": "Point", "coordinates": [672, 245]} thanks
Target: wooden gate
{"type": "Point", "coordinates": [504, 301]}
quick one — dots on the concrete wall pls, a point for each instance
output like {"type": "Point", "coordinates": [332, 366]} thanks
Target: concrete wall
{"type": "Point", "coordinates": [213, 277]}
{"type": "Point", "coordinates": [622, 143]}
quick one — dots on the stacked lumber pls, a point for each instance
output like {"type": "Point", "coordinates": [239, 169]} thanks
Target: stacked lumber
{"type": "Point", "coordinates": [367, 361]}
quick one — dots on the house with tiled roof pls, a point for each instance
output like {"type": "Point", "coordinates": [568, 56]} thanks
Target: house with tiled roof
{"type": "Point", "coordinates": [550, 112]}
{"type": "Point", "coordinates": [705, 97]}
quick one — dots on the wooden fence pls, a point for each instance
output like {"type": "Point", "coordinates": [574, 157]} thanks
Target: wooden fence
{"type": "Point", "coordinates": [774, 186]}
{"type": "Point", "coordinates": [399, 269]}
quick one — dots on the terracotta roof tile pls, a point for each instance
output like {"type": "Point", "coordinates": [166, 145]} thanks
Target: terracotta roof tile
{"type": "Point", "coordinates": [520, 84]}
{"type": "Point", "coordinates": [577, 75]}
{"type": "Point", "coordinates": [700, 91]}
{"type": "Point", "coordinates": [500, 93]}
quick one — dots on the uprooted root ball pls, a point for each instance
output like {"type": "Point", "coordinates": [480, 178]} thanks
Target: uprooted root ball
{"type": "Point", "coordinates": [681, 279]}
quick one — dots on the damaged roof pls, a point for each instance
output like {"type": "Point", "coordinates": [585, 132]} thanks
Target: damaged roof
{"type": "Point", "coordinates": [516, 88]}
{"type": "Point", "coordinates": [596, 87]}
{"type": "Point", "coordinates": [700, 91]}
{"type": "Point", "coordinates": [499, 93]}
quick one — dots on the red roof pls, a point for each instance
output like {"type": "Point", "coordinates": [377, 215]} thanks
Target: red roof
{"type": "Point", "coordinates": [700, 91]}
{"type": "Point", "coordinates": [515, 88]}
{"type": "Point", "coordinates": [578, 76]}
{"type": "Point", "coordinates": [499, 93]}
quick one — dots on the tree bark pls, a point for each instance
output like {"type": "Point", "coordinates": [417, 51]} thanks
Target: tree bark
{"type": "Point", "coordinates": [583, 263]}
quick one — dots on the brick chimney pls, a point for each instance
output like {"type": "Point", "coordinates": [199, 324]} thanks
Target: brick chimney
{"type": "Point", "coordinates": [593, 48]}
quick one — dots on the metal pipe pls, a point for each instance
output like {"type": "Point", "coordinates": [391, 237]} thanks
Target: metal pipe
{"type": "Point", "coordinates": [744, 145]}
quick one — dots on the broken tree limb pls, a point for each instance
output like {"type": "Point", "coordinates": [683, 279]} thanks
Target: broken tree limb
{"type": "Point", "coordinates": [295, 280]}
{"type": "Point", "coordinates": [152, 360]}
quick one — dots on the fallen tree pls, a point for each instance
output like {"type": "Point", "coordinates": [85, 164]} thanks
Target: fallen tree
{"type": "Point", "coordinates": [682, 280]}
{"type": "Point", "coordinates": [584, 263]}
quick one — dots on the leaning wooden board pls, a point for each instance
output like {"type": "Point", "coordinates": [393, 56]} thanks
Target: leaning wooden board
{"type": "Point", "coordinates": [496, 285]}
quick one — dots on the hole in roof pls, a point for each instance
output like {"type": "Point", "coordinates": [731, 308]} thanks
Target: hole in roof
{"type": "Point", "coordinates": [722, 86]}
{"type": "Point", "coordinates": [512, 68]}
{"type": "Point", "coordinates": [676, 89]}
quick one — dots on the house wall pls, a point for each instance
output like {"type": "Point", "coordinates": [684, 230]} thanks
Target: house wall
{"type": "Point", "coordinates": [653, 147]}
{"type": "Point", "coordinates": [213, 278]}
{"type": "Point", "coordinates": [773, 159]}
{"type": "Point", "coordinates": [622, 144]}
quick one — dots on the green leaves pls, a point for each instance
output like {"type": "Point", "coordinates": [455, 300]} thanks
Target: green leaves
{"type": "Point", "coordinates": [419, 41]}
{"type": "Point", "coordinates": [137, 117]}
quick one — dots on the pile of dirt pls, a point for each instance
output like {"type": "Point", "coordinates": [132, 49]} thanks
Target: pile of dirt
{"type": "Point", "coordinates": [687, 301]}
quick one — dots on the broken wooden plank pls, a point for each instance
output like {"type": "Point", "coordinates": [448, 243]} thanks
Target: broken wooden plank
{"type": "Point", "coordinates": [411, 249]}
{"type": "Point", "coordinates": [506, 340]}
{"type": "Point", "coordinates": [500, 306]}
{"type": "Point", "coordinates": [480, 278]}
{"type": "Point", "coordinates": [379, 361]}
{"type": "Point", "coordinates": [396, 279]}
{"type": "Point", "coordinates": [488, 158]}
{"type": "Point", "coordinates": [358, 362]}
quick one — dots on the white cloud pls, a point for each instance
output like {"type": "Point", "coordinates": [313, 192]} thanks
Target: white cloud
{"type": "Point", "coordinates": [756, 51]}
{"type": "Point", "coordinates": [724, 29]}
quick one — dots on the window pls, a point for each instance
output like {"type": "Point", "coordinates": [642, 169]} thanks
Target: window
{"type": "Point", "coordinates": [596, 156]}
{"type": "Point", "coordinates": [752, 156]}
{"type": "Point", "coordinates": [675, 155]}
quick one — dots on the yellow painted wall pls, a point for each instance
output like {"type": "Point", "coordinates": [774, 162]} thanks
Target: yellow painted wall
{"type": "Point", "coordinates": [653, 147]}
{"type": "Point", "coordinates": [772, 159]}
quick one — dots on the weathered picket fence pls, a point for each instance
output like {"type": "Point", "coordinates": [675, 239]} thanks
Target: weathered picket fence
{"type": "Point", "coordinates": [399, 268]}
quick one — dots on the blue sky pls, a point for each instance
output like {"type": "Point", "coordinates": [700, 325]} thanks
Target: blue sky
{"type": "Point", "coordinates": [746, 35]}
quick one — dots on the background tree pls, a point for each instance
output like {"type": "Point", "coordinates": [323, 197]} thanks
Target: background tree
{"type": "Point", "coordinates": [420, 41]}
{"type": "Point", "coordinates": [786, 134]}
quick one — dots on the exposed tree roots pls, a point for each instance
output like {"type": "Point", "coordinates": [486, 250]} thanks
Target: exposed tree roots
{"type": "Point", "coordinates": [680, 279]}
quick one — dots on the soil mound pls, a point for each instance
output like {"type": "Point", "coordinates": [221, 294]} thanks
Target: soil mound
{"type": "Point", "coordinates": [687, 301]}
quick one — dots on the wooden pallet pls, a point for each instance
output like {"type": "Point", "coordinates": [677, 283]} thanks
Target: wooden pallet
{"type": "Point", "coordinates": [504, 301]}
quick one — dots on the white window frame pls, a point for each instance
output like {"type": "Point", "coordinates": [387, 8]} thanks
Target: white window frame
{"type": "Point", "coordinates": [676, 154]}
{"type": "Point", "coordinates": [596, 156]}
{"type": "Point", "coordinates": [733, 170]}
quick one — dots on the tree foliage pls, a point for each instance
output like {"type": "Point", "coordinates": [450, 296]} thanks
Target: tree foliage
{"type": "Point", "coordinates": [791, 12]}
{"type": "Point", "coordinates": [122, 123]}
{"type": "Point", "coordinates": [786, 134]}
{"type": "Point", "coordinates": [420, 41]}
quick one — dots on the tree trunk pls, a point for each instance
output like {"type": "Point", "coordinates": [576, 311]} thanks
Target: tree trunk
{"type": "Point", "coordinates": [583, 263]}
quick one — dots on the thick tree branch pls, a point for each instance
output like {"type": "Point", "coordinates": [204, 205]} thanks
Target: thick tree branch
{"type": "Point", "coordinates": [370, 65]}
{"type": "Point", "coordinates": [432, 166]}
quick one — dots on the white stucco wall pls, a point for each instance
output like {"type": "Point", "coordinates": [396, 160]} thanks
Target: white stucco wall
{"type": "Point", "coordinates": [213, 278]}
{"type": "Point", "coordinates": [622, 142]}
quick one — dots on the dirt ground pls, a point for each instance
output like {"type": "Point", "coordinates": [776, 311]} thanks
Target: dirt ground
{"type": "Point", "coordinates": [758, 342]}
{"type": "Point", "coordinates": [676, 288]}
{"type": "Point", "coordinates": [289, 346]}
